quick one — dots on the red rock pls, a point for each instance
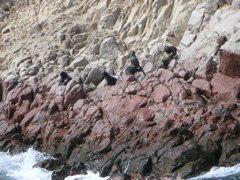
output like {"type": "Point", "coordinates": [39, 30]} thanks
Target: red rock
{"type": "Point", "coordinates": [204, 86]}
{"type": "Point", "coordinates": [78, 105]}
{"type": "Point", "coordinates": [38, 101]}
{"type": "Point", "coordinates": [26, 94]}
{"type": "Point", "coordinates": [133, 88]}
{"type": "Point", "coordinates": [13, 95]}
{"type": "Point", "coordinates": [229, 64]}
{"type": "Point", "coordinates": [28, 118]}
{"type": "Point", "coordinates": [145, 114]}
{"type": "Point", "coordinates": [20, 113]}
{"type": "Point", "coordinates": [59, 101]}
{"type": "Point", "coordinates": [236, 91]}
{"type": "Point", "coordinates": [223, 84]}
{"type": "Point", "coordinates": [165, 75]}
{"type": "Point", "coordinates": [73, 95]}
{"type": "Point", "coordinates": [161, 93]}
{"type": "Point", "coordinates": [206, 69]}
{"type": "Point", "coordinates": [53, 107]}
{"type": "Point", "coordinates": [8, 84]}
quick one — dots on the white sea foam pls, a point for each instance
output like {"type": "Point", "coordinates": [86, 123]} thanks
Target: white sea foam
{"type": "Point", "coordinates": [19, 166]}
{"type": "Point", "coordinates": [90, 176]}
{"type": "Point", "coordinates": [219, 172]}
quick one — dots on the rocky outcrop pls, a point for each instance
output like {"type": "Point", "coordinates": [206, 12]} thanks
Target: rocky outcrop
{"type": "Point", "coordinates": [180, 120]}
{"type": "Point", "coordinates": [159, 125]}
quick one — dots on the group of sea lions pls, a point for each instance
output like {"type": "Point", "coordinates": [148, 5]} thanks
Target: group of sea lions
{"type": "Point", "coordinates": [130, 70]}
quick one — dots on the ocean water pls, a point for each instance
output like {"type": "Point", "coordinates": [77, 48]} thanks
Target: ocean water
{"type": "Point", "coordinates": [19, 167]}
{"type": "Point", "coordinates": [221, 173]}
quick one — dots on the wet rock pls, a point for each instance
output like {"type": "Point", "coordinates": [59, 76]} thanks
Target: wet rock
{"type": "Point", "coordinates": [120, 176]}
{"type": "Point", "coordinates": [49, 164]}
{"type": "Point", "coordinates": [179, 156]}
{"type": "Point", "coordinates": [230, 152]}
{"type": "Point", "coordinates": [61, 173]}
{"type": "Point", "coordinates": [141, 165]}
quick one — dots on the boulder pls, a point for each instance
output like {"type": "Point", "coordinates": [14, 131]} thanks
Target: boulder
{"type": "Point", "coordinates": [206, 69]}
{"type": "Point", "coordinates": [230, 153]}
{"type": "Point", "coordinates": [79, 62]}
{"type": "Point", "coordinates": [196, 19]}
{"type": "Point", "coordinates": [63, 61]}
{"type": "Point", "coordinates": [109, 49]}
{"type": "Point", "coordinates": [223, 84]}
{"type": "Point", "coordinates": [204, 86]}
{"type": "Point", "coordinates": [95, 76]}
{"type": "Point", "coordinates": [74, 95]}
{"type": "Point", "coordinates": [161, 93]}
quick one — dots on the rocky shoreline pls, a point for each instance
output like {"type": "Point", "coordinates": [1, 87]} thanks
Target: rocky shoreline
{"type": "Point", "coordinates": [181, 120]}
{"type": "Point", "coordinates": [161, 124]}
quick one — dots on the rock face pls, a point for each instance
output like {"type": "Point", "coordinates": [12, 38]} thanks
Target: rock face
{"type": "Point", "coordinates": [160, 125]}
{"type": "Point", "coordinates": [182, 120]}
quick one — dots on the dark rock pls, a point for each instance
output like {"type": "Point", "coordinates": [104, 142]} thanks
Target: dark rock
{"type": "Point", "coordinates": [120, 176]}
{"type": "Point", "coordinates": [49, 164]}
{"type": "Point", "coordinates": [206, 69]}
{"type": "Point", "coordinates": [229, 64]}
{"type": "Point", "coordinates": [141, 165]}
{"type": "Point", "coordinates": [230, 153]}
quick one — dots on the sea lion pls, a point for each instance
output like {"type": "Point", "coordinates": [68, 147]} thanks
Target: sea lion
{"type": "Point", "coordinates": [171, 50]}
{"type": "Point", "coordinates": [64, 78]}
{"type": "Point", "coordinates": [131, 70]}
{"type": "Point", "coordinates": [110, 79]}
{"type": "Point", "coordinates": [135, 63]}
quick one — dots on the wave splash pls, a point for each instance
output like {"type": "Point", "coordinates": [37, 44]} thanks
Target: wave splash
{"type": "Point", "coordinates": [90, 176]}
{"type": "Point", "coordinates": [19, 166]}
{"type": "Point", "coordinates": [221, 173]}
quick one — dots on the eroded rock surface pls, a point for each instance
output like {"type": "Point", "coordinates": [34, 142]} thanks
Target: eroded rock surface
{"type": "Point", "coordinates": [180, 120]}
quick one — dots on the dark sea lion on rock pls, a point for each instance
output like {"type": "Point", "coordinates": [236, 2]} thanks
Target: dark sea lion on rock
{"type": "Point", "coordinates": [171, 50]}
{"type": "Point", "coordinates": [135, 62]}
{"type": "Point", "coordinates": [110, 79]}
{"type": "Point", "coordinates": [64, 78]}
{"type": "Point", "coordinates": [131, 70]}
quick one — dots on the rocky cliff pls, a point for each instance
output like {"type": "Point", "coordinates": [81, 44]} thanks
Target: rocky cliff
{"type": "Point", "coordinates": [180, 120]}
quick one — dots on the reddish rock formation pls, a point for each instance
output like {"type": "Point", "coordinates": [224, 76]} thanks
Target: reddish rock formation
{"type": "Point", "coordinates": [161, 125]}
{"type": "Point", "coordinates": [230, 64]}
